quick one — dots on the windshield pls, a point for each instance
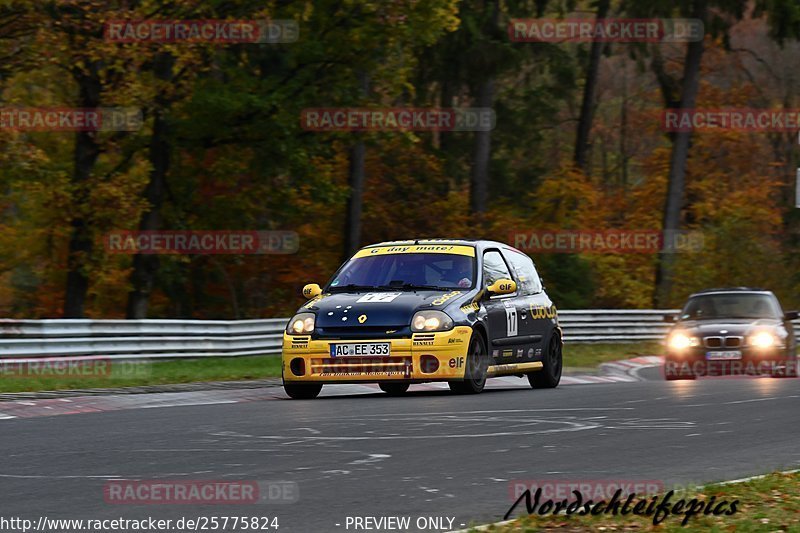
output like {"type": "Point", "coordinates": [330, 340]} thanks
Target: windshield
{"type": "Point", "coordinates": [731, 306]}
{"type": "Point", "coordinates": [398, 271]}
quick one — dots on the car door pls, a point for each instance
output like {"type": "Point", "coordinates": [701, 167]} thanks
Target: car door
{"type": "Point", "coordinates": [535, 309]}
{"type": "Point", "coordinates": [501, 310]}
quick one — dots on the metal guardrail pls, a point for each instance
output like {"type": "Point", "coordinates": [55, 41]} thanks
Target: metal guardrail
{"type": "Point", "coordinates": [614, 325]}
{"type": "Point", "coordinates": [169, 339]}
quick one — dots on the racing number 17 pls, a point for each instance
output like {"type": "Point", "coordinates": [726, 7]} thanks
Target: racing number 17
{"type": "Point", "coordinates": [511, 321]}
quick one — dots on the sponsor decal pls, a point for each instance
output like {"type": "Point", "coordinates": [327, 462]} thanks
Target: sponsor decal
{"type": "Point", "coordinates": [445, 297]}
{"type": "Point", "coordinates": [519, 353]}
{"type": "Point", "coordinates": [530, 352]}
{"type": "Point", "coordinates": [423, 342]}
{"type": "Point", "coordinates": [378, 297]}
{"type": "Point", "coordinates": [454, 341]}
{"type": "Point", "coordinates": [456, 362]}
{"type": "Point", "coordinates": [312, 301]}
{"type": "Point", "coordinates": [540, 311]}
{"type": "Point", "coordinates": [418, 249]}
{"type": "Point", "coordinates": [371, 373]}
{"type": "Point", "coordinates": [470, 308]}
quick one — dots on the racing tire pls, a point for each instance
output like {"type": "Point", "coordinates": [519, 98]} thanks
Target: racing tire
{"type": "Point", "coordinates": [302, 391]}
{"type": "Point", "coordinates": [553, 364]}
{"type": "Point", "coordinates": [394, 389]}
{"type": "Point", "coordinates": [476, 368]}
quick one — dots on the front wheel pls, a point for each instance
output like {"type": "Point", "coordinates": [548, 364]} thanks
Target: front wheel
{"type": "Point", "coordinates": [394, 389]}
{"type": "Point", "coordinates": [476, 368]}
{"type": "Point", "coordinates": [302, 391]}
{"type": "Point", "coordinates": [550, 375]}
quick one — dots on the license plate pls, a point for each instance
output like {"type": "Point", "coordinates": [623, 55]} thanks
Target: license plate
{"type": "Point", "coordinates": [723, 356]}
{"type": "Point", "coordinates": [361, 349]}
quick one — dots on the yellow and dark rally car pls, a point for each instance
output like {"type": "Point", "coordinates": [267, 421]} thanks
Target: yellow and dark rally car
{"type": "Point", "coordinates": [397, 313]}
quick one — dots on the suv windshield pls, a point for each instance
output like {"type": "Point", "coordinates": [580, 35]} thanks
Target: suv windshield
{"type": "Point", "coordinates": [746, 305]}
{"type": "Point", "coordinates": [407, 271]}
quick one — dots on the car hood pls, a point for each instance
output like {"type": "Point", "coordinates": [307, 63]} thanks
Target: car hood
{"type": "Point", "coordinates": [731, 326]}
{"type": "Point", "coordinates": [380, 308]}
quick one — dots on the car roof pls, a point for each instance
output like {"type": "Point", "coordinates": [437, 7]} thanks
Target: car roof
{"type": "Point", "coordinates": [478, 243]}
{"type": "Point", "coordinates": [722, 290]}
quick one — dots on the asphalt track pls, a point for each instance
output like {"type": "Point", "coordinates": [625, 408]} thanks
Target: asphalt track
{"type": "Point", "coordinates": [428, 454]}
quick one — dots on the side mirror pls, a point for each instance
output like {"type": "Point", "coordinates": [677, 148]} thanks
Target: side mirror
{"type": "Point", "coordinates": [669, 318]}
{"type": "Point", "coordinates": [502, 286]}
{"type": "Point", "coordinates": [311, 290]}
{"type": "Point", "coordinates": [791, 315]}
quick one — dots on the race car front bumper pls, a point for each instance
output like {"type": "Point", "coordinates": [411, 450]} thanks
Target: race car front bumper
{"type": "Point", "coordinates": [439, 356]}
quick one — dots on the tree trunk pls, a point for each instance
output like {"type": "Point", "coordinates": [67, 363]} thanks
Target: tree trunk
{"type": "Point", "coordinates": [589, 89]}
{"type": "Point", "coordinates": [145, 266]}
{"type": "Point", "coordinates": [85, 157]}
{"type": "Point", "coordinates": [482, 153]}
{"type": "Point", "coordinates": [678, 160]}
{"type": "Point", "coordinates": [356, 178]}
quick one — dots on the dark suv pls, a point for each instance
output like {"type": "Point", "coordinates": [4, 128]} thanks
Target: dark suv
{"type": "Point", "coordinates": [731, 331]}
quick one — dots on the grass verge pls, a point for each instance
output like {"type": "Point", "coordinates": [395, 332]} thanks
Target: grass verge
{"type": "Point", "coordinates": [125, 374]}
{"type": "Point", "coordinates": [591, 355]}
{"type": "Point", "coordinates": [105, 374]}
{"type": "Point", "coordinates": [769, 503]}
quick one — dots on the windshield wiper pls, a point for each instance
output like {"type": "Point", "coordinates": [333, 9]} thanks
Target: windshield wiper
{"type": "Point", "coordinates": [354, 287]}
{"type": "Point", "coordinates": [418, 287]}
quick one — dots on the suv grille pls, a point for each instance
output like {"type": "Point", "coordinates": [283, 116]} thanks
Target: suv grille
{"type": "Point", "coordinates": [723, 342]}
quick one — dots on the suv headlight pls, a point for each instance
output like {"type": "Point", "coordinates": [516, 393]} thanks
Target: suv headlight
{"type": "Point", "coordinates": [431, 321]}
{"type": "Point", "coordinates": [763, 339]}
{"type": "Point", "coordinates": [301, 324]}
{"type": "Point", "coordinates": [680, 341]}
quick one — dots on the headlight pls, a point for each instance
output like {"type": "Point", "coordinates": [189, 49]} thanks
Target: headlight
{"type": "Point", "coordinates": [431, 321]}
{"type": "Point", "coordinates": [301, 324]}
{"type": "Point", "coordinates": [763, 339]}
{"type": "Point", "coordinates": [681, 341]}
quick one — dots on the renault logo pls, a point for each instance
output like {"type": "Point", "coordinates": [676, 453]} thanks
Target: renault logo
{"type": "Point", "coordinates": [362, 319]}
